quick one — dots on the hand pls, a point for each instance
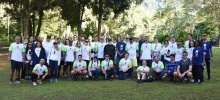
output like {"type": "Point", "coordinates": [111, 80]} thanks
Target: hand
{"type": "Point", "coordinates": [9, 60]}
{"type": "Point", "coordinates": [180, 75]}
{"type": "Point", "coordinates": [58, 65]}
{"type": "Point", "coordinates": [165, 74]}
{"type": "Point", "coordinates": [43, 77]}
{"type": "Point", "coordinates": [104, 72]}
{"type": "Point", "coordinates": [38, 76]}
{"type": "Point", "coordinates": [31, 63]}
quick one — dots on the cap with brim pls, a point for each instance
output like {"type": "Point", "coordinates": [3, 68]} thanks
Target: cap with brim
{"type": "Point", "coordinates": [127, 37]}
{"type": "Point", "coordinates": [179, 43]}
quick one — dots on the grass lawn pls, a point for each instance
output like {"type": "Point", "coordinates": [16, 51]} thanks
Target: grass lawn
{"type": "Point", "coordinates": [108, 90]}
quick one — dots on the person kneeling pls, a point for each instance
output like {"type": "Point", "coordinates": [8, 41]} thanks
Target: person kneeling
{"type": "Point", "coordinates": [171, 67]}
{"type": "Point", "coordinates": [184, 69]}
{"type": "Point", "coordinates": [125, 67]}
{"type": "Point", "coordinates": [107, 68]}
{"type": "Point", "coordinates": [142, 72]}
{"type": "Point", "coordinates": [79, 68]}
{"type": "Point", "coordinates": [39, 73]}
{"type": "Point", "coordinates": [158, 68]}
{"type": "Point", "coordinates": [94, 68]}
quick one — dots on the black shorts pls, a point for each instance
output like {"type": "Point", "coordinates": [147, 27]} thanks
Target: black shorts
{"type": "Point", "coordinates": [69, 64]}
{"type": "Point", "coordinates": [16, 65]}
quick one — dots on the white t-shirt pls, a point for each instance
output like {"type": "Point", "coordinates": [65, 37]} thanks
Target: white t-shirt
{"type": "Point", "coordinates": [173, 45]}
{"type": "Point", "coordinates": [186, 44]}
{"type": "Point", "coordinates": [40, 69]}
{"type": "Point", "coordinates": [37, 51]}
{"type": "Point", "coordinates": [190, 52]}
{"type": "Point", "coordinates": [74, 43]}
{"type": "Point", "coordinates": [124, 64]}
{"type": "Point", "coordinates": [69, 53]}
{"type": "Point", "coordinates": [17, 50]}
{"type": "Point", "coordinates": [156, 48]}
{"type": "Point", "coordinates": [54, 55]}
{"type": "Point", "coordinates": [105, 64]}
{"type": "Point", "coordinates": [78, 51]}
{"type": "Point", "coordinates": [85, 52]}
{"type": "Point", "coordinates": [168, 52]}
{"type": "Point", "coordinates": [79, 65]}
{"type": "Point", "coordinates": [132, 48]}
{"type": "Point", "coordinates": [101, 49]}
{"type": "Point", "coordinates": [179, 54]}
{"type": "Point", "coordinates": [146, 49]}
{"type": "Point", "coordinates": [144, 68]}
{"type": "Point", "coordinates": [28, 55]}
{"type": "Point", "coordinates": [157, 66]}
{"type": "Point", "coordinates": [47, 46]}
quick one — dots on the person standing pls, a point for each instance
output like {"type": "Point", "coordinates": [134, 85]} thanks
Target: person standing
{"type": "Point", "coordinates": [190, 49]}
{"type": "Point", "coordinates": [120, 49]}
{"type": "Point", "coordinates": [28, 68]}
{"type": "Point", "coordinates": [156, 47]}
{"type": "Point", "coordinates": [125, 66]}
{"type": "Point", "coordinates": [198, 60]}
{"type": "Point", "coordinates": [74, 40]}
{"type": "Point", "coordinates": [23, 69]}
{"type": "Point", "coordinates": [207, 46]}
{"type": "Point", "coordinates": [16, 56]}
{"type": "Point", "coordinates": [54, 61]}
{"type": "Point", "coordinates": [37, 54]}
{"type": "Point", "coordinates": [48, 44]}
{"type": "Point", "coordinates": [139, 47]}
{"type": "Point", "coordinates": [86, 52]}
{"type": "Point", "coordinates": [39, 73]}
{"type": "Point", "coordinates": [187, 43]}
{"type": "Point", "coordinates": [146, 52]}
{"type": "Point", "coordinates": [100, 47]}
{"type": "Point", "coordinates": [110, 50]}
{"type": "Point", "coordinates": [132, 49]}
{"type": "Point", "coordinates": [77, 50]}
{"type": "Point", "coordinates": [179, 52]}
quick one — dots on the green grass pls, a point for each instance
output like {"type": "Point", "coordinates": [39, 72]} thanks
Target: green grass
{"type": "Point", "coordinates": [111, 90]}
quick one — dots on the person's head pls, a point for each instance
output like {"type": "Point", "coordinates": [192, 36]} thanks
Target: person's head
{"type": "Point", "coordinates": [146, 38]}
{"type": "Point", "coordinates": [63, 40]}
{"type": "Point", "coordinates": [166, 43]}
{"type": "Point", "coordinates": [74, 37]}
{"type": "Point", "coordinates": [204, 37]}
{"type": "Point", "coordinates": [102, 39]}
{"type": "Point", "coordinates": [95, 58]}
{"type": "Point", "coordinates": [179, 44]}
{"type": "Point", "coordinates": [127, 38]}
{"type": "Point", "coordinates": [39, 44]}
{"type": "Point", "coordinates": [115, 40]}
{"type": "Point", "coordinates": [41, 39]}
{"type": "Point", "coordinates": [106, 56]}
{"type": "Point", "coordinates": [131, 40]}
{"type": "Point", "coordinates": [155, 39]}
{"type": "Point", "coordinates": [126, 55]}
{"type": "Point", "coordinates": [198, 43]}
{"type": "Point", "coordinates": [109, 41]}
{"type": "Point", "coordinates": [48, 38]}
{"type": "Point", "coordinates": [82, 38]}
{"type": "Point", "coordinates": [55, 38]}
{"type": "Point", "coordinates": [172, 57]}
{"type": "Point", "coordinates": [38, 38]}
{"type": "Point", "coordinates": [96, 39]}
{"type": "Point", "coordinates": [55, 45]}
{"type": "Point", "coordinates": [136, 39]}
{"type": "Point", "coordinates": [167, 37]}
{"type": "Point", "coordinates": [87, 41]}
{"type": "Point", "coordinates": [156, 59]}
{"type": "Point", "coordinates": [189, 36]}
{"type": "Point", "coordinates": [31, 39]}
{"type": "Point", "coordinates": [121, 39]}
{"type": "Point", "coordinates": [79, 57]}
{"type": "Point", "coordinates": [173, 39]}
{"type": "Point", "coordinates": [78, 44]}
{"type": "Point", "coordinates": [58, 40]}
{"type": "Point", "coordinates": [42, 61]}
{"type": "Point", "coordinates": [25, 40]}
{"type": "Point", "coordinates": [90, 38]}
{"type": "Point", "coordinates": [17, 39]}
{"type": "Point", "coordinates": [144, 63]}
{"type": "Point", "coordinates": [29, 45]}
{"type": "Point", "coordinates": [185, 55]}
{"type": "Point", "coordinates": [191, 43]}
{"type": "Point", "coordinates": [142, 36]}
{"type": "Point", "coordinates": [67, 42]}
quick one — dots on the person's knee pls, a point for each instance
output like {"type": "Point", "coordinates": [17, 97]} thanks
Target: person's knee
{"type": "Point", "coordinates": [72, 72]}
{"type": "Point", "coordinates": [189, 74]}
{"type": "Point", "coordinates": [175, 74]}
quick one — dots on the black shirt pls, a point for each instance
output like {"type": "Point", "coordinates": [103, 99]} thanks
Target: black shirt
{"type": "Point", "coordinates": [184, 65]}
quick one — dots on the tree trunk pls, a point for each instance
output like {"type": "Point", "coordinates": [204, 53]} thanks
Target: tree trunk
{"type": "Point", "coordinates": [100, 19]}
{"type": "Point", "coordinates": [33, 23]}
{"type": "Point", "coordinates": [41, 13]}
{"type": "Point", "coordinates": [26, 19]}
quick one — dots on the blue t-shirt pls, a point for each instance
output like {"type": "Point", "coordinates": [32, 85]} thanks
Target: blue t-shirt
{"type": "Point", "coordinates": [207, 46]}
{"type": "Point", "coordinates": [198, 56]}
{"type": "Point", "coordinates": [171, 66]}
{"type": "Point", "coordinates": [121, 48]}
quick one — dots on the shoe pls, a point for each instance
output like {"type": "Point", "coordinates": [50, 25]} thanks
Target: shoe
{"type": "Point", "coordinates": [56, 80]}
{"type": "Point", "coordinates": [17, 82]}
{"type": "Point", "coordinates": [128, 79]}
{"type": "Point", "coordinates": [11, 82]}
{"type": "Point", "coordinates": [76, 78]}
{"type": "Point", "coordinates": [116, 75]}
{"type": "Point", "coordinates": [201, 83]}
{"type": "Point", "coordinates": [141, 81]}
{"type": "Point", "coordinates": [209, 78]}
{"type": "Point", "coordinates": [51, 81]}
{"type": "Point", "coordinates": [39, 81]}
{"type": "Point", "coordinates": [82, 78]}
{"type": "Point", "coordinates": [187, 81]}
{"type": "Point", "coordinates": [174, 81]}
{"type": "Point", "coordinates": [192, 80]}
{"type": "Point", "coordinates": [87, 76]}
{"type": "Point", "coordinates": [138, 81]}
{"type": "Point", "coordinates": [34, 84]}
{"type": "Point", "coordinates": [22, 79]}
{"type": "Point", "coordinates": [111, 79]}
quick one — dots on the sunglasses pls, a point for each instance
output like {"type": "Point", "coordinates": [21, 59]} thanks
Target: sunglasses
{"type": "Point", "coordinates": [184, 55]}
{"type": "Point", "coordinates": [106, 56]}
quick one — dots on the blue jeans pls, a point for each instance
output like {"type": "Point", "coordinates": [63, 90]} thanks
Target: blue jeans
{"type": "Point", "coordinates": [158, 74]}
{"type": "Point", "coordinates": [117, 66]}
{"type": "Point", "coordinates": [95, 73]}
{"type": "Point", "coordinates": [53, 67]}
{"type": "Point", "coordinates": [122, 74]}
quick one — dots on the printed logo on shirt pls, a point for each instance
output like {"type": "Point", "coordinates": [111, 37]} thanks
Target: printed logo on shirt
{"type": "Point", "coordinates": [121, 48]}
{"type": "Point", "coordinates": [205, 46]}
{"type": "Point", "coordinates": [197, 53]}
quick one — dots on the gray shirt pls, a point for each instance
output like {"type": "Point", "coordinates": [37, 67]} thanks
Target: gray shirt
{"type": "Point", "coordinates": [184, 65]}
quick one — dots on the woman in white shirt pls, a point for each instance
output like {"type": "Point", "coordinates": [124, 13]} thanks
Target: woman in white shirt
{"type": "Point", "coordinates": [77, 50]}
{"type": "Point", "coordinates": [86, 52]}
{"type": "Point", "coordinates": [54, 61]}
{"type": "Point", "coordinates": [179, 52]}
{"type": "Point", "coordinates": [28, 68]}
{"type": "Point", "coordinates": [166, 51]}
{"type": "Point", "coordinates": [190, 49]}
{"type": "Point", "coordinates": [23, 73]}
{"type": "Point", "coordinates": [69, 59]}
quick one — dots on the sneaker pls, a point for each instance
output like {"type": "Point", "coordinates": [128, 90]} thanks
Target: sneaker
{"type": "Point", "coordinates": [17, 82]}
{"type": "Point", "coordinates": [209, 78]}
{"type": "Point", "coordinates": [56, 80]}
{"type": "Point", "coordinates": [201, 83]}
{"type": "Point", "coordinates": [87, 76]}
{"type": "Point", "coordinates": [192, 80]}
{"type": "Point", "coordinates": [174, 81]}
{"type": "Point", "coordinates": [138, 81]}
{"type": "Point", "coordinates": [128, 79]}
{"type": "Point", "coordinates": [82, 78]}
{"type": "Point", "coordinates": [34, 84]}
{"type": "Point", "coordinates": [76, 78]}
{"type": "Point", "coordinates": [51, 81]}
{"type": "Point", "coordinates": [116, 75]}
{"type": "Point", "coordinates": [11, 82]}
{"type": "Point", "coordinates": [187, 81]}
{"type": "Point", "coordinates": [39, 81]}
{"type": "Point", "coordinates": [111, 79]}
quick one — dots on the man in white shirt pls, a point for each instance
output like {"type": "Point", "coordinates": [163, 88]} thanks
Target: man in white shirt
{"type": "Point", "coordinates": [100, 47]}
{"type": "Point", "coordinates": [74, 40]}
{"type": "Point", "coordinates": [47, 45]}
{"type": "Point", "coordinates": [79, 68]}
{"type": "Point", "coordinates": [142, 71]}
{"type": "Point", "coordinates": [156, 47]}
{"type": "Point", "coordinates": [158, 68]}
{"type": "Point", "coordinates": [107, 68]}
{"type": "Point", "coordinates": [125, 66]}
{"type": "Point", "coordinates": [189, 37]}
{"type": "Point", "coordinates": [16, 56]}
{"type": "Point", "coordinates": [54, 39]}
{"type": "Point", "coordinates": [132, 49]}
{"type": "Point", "coordinates": [39, 73]}
{"type": "Point", "coordinates": [146, 52]}
{"type": "Point", "coordinates": [172, 43]}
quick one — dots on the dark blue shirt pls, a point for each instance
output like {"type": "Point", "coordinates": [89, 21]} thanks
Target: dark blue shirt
{"type": "Point", "coordinates": [121, 48]}
{"type": "Point", "coordinates": [139, 46]}
{"type": "Point", "coordinates": [207, 46]}
{"type": "Point", "coordinates": [171, 66]}
{"type": "Point", "coordinates": [198, 56]}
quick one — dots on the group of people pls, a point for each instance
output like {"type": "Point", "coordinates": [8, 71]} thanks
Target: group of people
{"type": "Point", "coordinates": [39, 60]}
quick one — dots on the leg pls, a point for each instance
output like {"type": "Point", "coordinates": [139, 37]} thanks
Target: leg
{"type": "Point", "coordinates": [189, 75]}
{"type": "Point", "coordinates": [194, 73]}
{"type": "Point", "coordinates": [34, 77]}
{"type": "Point", "coordinates": [97, 72]}
{"type": "Point", "coordinates": [208, 67]}
{"type": "Point", "coordinates": [121, 75]}
{"type": "Point", "coordinates": [138, 75]}
{"type": "Point", "coordinates": [51, 68]}
{"type": "Point", "coordinates": [200, 74]}
{"type": "Point", "coordinates": [117, 67]}
{"type": "Point", "coordinates": [55, 68]}
{"type": "Point", "coordinates": [130, 71]}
